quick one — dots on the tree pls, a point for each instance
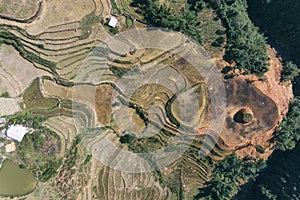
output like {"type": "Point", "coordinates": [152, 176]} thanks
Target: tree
{"type": "Point", "coordinates": [289, 71]}
{"type": "Point", "coordinates": [279, 181]}
{"type": "Point", "coordinates": [287, 134]}
{"type": "Point", "coordinates": [129, 139]}
{"type": "Point", "coordinates": [228, 175]}
{"type": "Point", "coordinates": [245, 47]}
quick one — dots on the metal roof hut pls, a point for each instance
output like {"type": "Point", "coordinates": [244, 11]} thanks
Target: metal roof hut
{"type": "Point", "coordinates": [16, 132]}
{"type": "Point", "coordinates": [113, 22]}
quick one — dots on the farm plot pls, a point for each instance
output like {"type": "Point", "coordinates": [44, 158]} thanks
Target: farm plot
{"type": "Point", "coordinates": [103, 103]}
{"type": "Point", "coordinates": [9, 106]}
{"type": "Point", "coordinates": [34, 100]}
{"type": "Point", "coordinates": [115, 184]}
{"type": "Point", "coordinates": [13, 80]}
{"type": "Point", "coordinates": [56, 12]}
{"type": "Point", "coordinates": [81, 100]}
{"type": "Point", "coordinates": [66, 127]}
{"type": "Point", "coordinates": [19, 10]}
{"type": "Point", "coordinates": [125, 6]}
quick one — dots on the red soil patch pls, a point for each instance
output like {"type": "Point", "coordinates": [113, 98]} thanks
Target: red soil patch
{"type": "Point", "coordinates": [266, 99]}
{"type": "Point", "coordinates": [103, 103]}
{"type": "Point", "coordinates": [281, 94]}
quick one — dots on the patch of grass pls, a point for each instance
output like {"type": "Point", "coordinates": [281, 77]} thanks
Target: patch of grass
{"type": "Point", "coordinates": [212, 29]}
{"type": "Point", "coordinates": [34, 100]}
{"type": "Point", "coordinates": [118, 71]}
{"type": "Point", "coordinates": [115, 8]}
{"type": "Point", "coordinates": [86, 24]}
{"type": "Point", "coordinates": [128, 7]}
{"type": "Point", "coordinates": [111, 30]}
{"type": "Point", "coordinates": [5, 94]}
{"type": "Point", "coordinates": [129, 22]}
{"type": "Point", "coordinates": [87, 159]}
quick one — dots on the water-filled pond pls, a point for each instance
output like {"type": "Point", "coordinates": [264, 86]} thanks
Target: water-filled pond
{"type": "Point", "coordinates": [15, 181]}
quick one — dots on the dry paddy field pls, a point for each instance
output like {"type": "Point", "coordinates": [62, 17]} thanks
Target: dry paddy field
{"type": "Point", "coordinates": [19, 10]}
{"type": "Point", "coordinates": [85, 85]}
{"type": "Point", "coordinates": [16, 73]}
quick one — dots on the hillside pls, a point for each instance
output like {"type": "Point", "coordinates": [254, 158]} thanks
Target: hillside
{"type": "Point", "coordinates": [174, 100]}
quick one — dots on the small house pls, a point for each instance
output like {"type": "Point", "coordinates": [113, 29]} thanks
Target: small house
{"type": "Point", "coordinates": [113, 22]}
{"type": "Point", "coordinates": [2, 120]}
{"type": "Point", "coordinates": [16, 132]}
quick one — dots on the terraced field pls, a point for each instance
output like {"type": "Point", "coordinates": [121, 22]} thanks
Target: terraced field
{"type": "Point", "coordinates": [146, 104]}
{"type": "Point", "coordinates": [22, 11]}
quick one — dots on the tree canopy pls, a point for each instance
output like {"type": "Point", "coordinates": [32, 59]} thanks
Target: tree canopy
{"type": "Point", "coordinates": [288, 133]}
{"type": "Point", "coordinates": [289, 71]}
{"type": "Point", "coordinates": [228, 175]}
{"type": "Point", "coordinates": [246, 47]}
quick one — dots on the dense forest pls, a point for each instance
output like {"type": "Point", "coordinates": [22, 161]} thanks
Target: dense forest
{"type": "Point", "coordinates": [279, 20]}
{"type": "Point", "coordinates": [280, 180]}
{"type": "Point", "coordinates": [228, 175]}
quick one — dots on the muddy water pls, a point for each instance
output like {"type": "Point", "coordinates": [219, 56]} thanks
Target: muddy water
{"type": "Point", "coordinates": [15, 181]}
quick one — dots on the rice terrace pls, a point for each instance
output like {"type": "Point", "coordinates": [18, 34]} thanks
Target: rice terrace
{"type": "Point", "coordinates": [136, 99]}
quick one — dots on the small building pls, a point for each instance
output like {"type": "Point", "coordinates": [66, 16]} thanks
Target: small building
{"type": "Point", "coordinates": [113, 22]}
{"type": "Point", "coordinates": [10, 147]}
{"type": "Point", "coordinates": [2, 120]}
{"type": "Point", "coordinates": [16, 132]}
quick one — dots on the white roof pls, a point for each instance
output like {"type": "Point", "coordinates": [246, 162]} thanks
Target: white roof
{"type": "Point", "coordinates": [2, 120]}
{"type": "Point", "coordinates": [113, 22]}
{"type": "Point", "coordinates": [16, 132]}
{"type": "Point", "coordinates": [10, 147]}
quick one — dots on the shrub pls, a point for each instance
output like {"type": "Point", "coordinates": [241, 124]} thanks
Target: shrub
{"type": "Point", "coordinates": [259, 149]}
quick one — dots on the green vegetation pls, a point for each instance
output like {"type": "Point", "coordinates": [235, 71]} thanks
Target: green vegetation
{"type": "Point", "coordinates": [70, 159]}
{"type": "Point", "coordinates": [39, 150]}
{"type": "Point", "coordinates": [259, 149]}
{"type": "Point", "coordinates": [115, 8]}
{"type": "Point", "coordinates": [10, 39]}
{"type": "Point", "coordinates": [129, 139]}
{"type": "Point", "coordinates": [34, 100]}
{"type": "Point", "coordinates": [243, 117]}
{"type": "Point", "coordinates": [113, 30]}
{"type": "Point", "coordinates": [118, 71]}
{"type": "Point", "coordinates": [213, 32]}
{"type": "Point", "coordinates": [86, 24]}
{"type": "Point", "coordinates": [129, 22]}
{"type": "Point", "coordinates": [186, 21]}
{"type": "Point", "coordinates": [287, 134]}
{"type": "Point", "coordinates": [228, 176]}
{"type": "Point", "coordinates": [5, 94]}
{"type": "Point", "coordinates": [141, 145]}
{"type": "Point", "coordinates": [289, 71]}
{"type": "Point", "coordinates": [245, 47]}
{"type": "Point", "coordinates": [87, 159]}
{"type": "Point", "coordinates": [279, 181]}
{"type": "Point", "coordinates": [25, 119]}
{"type": "Point", "coordinates": [280, 21]}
